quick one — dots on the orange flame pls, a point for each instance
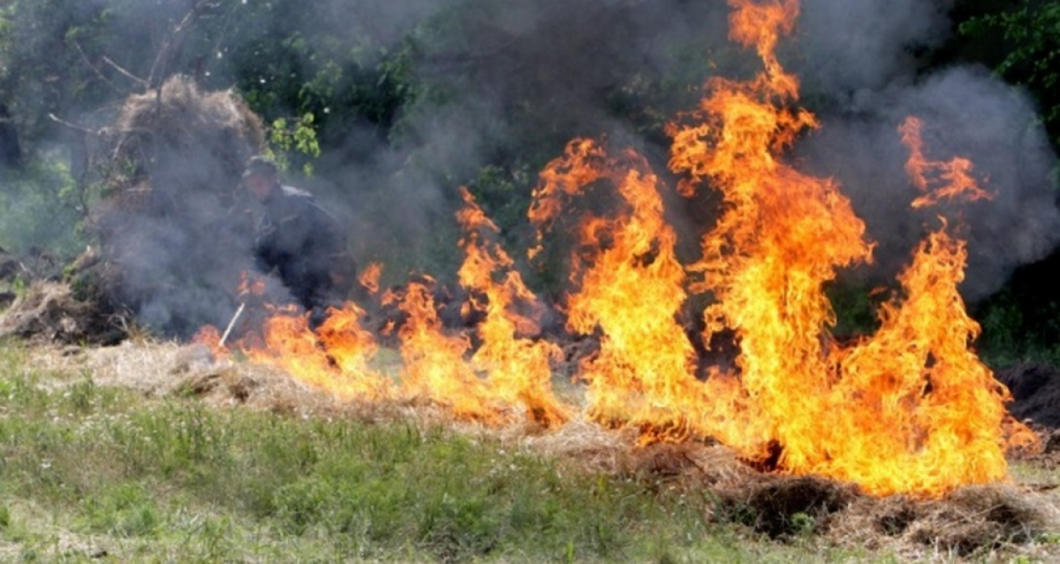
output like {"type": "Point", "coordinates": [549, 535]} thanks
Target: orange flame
{"type": "Point", "coordinates": [909, 409]}
{"type": "Point", "coordinates": [920, 412]}
{"type": "Point", "coordinates": [899, 412]}
{"type": "Point", "coordinates": [435, 369]}
{"type": "Point", "coordinates": [250, 284]}
{"type": "Point", "coordinates": [370, 277]}
{"type": "Point", "coordinates": [210, 337]}
{"type": "Point", "coordinates": [781, 237]}
{"type": "Point", "coordinates": [631, 287]}
{"type": "Point", "coordinates": [519, 369]}
{"type": "Point", "coordinates": [955, 174]}
{"type": "Point", "coordinates": [334, 359]}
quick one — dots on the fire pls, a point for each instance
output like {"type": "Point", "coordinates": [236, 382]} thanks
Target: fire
{"type": "Point", "coordinates": [508, 369]}
{"type": "Point", "coordinates": [781, 237]}
{"type": "Point", "coordinates": [250, 285]}
{"type": "Point", "coordinates": [910, 409]}
{"type": "Point", "coordinates": [370, 277]}
{"type": "Point", "coordinates": [210, 337]}
{"type": "Point", "coordinates": [956, 173]}
{"type": "Point", "coordinates": [334, 358]}
{"type": "Point", "coordinates": [920, 412]}
{"type": "Point", "coordinates": [519, 369]}
{"type": "Point", "coordinates": [435, 369]}
{"type": "Point", "coordinates": [631, 287]}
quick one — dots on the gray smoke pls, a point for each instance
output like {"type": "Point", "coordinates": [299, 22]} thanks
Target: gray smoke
{"type": "Point", "coordinates": [507, 84]}
{"type": "Point", "coordinates": [538, 73]}
{"type": "Point", "coordinates": [512, 83]}
{"type": "Point", "coordinates": [859, 61]}
{"type": "Point", "coordinates": [846, 46]}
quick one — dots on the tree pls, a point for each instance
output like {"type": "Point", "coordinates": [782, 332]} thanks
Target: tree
{"type": "Point", "coordinates": [1029, 53]}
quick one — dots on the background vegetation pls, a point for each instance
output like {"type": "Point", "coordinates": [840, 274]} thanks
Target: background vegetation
{"type": "Point", "coordinates": [351, 84]}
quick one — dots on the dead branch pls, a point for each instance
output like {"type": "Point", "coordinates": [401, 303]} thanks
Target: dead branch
{"type": "Point", "coordinates": [95, 68]}
{"type": "Point", "coordinates": [173, 44]}
{"type": "Point", "coordinates": [125, 73]}
{"type": "Point", "coordinates": [73, 126]}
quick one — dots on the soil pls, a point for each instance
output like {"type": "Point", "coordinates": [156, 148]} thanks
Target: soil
{"type": "Point", "coordinates": [1035, 393]}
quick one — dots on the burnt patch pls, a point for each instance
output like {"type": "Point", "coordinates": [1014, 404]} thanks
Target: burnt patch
{"type": "Point", "coordinates": [781, 506]}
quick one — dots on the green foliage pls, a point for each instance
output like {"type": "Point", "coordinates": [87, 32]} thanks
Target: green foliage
{"type": "Point", "coordinates": [284, 62]}
{"type": "Point", "coordinates": [297, 137]}
{"type": "Point", "coordinates": [802, 524]}
{"type": "Point", "coordinates": [1030, 54]}
{"type": "Point", "coordinates": [1015, 331]}
{"type": "Point", "coordinates": [855, 309]}
{"type": "Point", "coordinates": [125, 510]}
{"type": "Point", "coordinates": [504, 194]}
{"type": "Point", "coordinates": [43, 208]}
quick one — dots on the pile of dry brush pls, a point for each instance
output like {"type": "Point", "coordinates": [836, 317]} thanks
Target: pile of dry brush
{"type": "Point", "coordinates": [172, 232]}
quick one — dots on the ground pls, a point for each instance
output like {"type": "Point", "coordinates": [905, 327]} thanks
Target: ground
{"type": "Point", "coordinates": [1020, 519]}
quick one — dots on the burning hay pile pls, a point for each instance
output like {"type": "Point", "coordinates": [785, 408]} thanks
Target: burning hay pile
{"type": "Point", "coordinates": [173, 239]}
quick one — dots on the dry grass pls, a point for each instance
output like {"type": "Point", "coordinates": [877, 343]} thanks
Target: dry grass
{"type": "Point", "coordinates": [974, 523]}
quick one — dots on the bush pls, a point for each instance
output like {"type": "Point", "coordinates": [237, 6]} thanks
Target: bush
{"type": "Point", "coordinates": [43, 208]}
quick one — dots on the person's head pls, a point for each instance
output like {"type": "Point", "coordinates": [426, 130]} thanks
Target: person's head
{"type": "Point", "coordinates": [261, 177]}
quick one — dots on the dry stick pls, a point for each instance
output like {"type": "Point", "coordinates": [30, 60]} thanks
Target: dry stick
{"type": "Point", "coordinates": [125, 73]}
{"type": "Point", "coordinates": [71, 125]}
{"type": "Point", "coordinates": [94, 68]}
{"type": "Point", "coordinates": [232, 324]}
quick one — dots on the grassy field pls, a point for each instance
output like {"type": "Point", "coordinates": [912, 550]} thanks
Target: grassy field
{"type": "Point", "coordinates": [93, 473]}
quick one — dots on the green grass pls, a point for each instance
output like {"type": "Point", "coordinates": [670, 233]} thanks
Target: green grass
{"type": "Point", "coordinates": [88, 472]}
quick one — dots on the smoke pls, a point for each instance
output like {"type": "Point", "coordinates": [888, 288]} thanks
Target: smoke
{"type": "Point", "coordinates": [848, 46]}
{"type": "Point", "coordinates": [507, 84]}
{"type": "Point", "coordinates": [512, 83]}
{"type": "Point", "coordinates": [859, 64]}
{"type": "Point", "coordinates": [530, 76]}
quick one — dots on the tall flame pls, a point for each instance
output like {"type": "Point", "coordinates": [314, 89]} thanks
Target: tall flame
{"type": "Point", "coordinates": [909, 409]}
{"type": "Point", "coordinates": [518, 367]}
{"type": "Point", "coordinates": [630, 287]}
{"type": "Point", "coordinates": [435, 368]}
{"type": "Point", "coordinates": [782, 235]}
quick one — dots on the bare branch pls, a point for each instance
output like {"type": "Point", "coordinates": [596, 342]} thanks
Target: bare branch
{"type": "Point", "coordinates": [174, 42]}
{"type": "Point", "coordinates": [73, 126]}
{"type": "Point", "coordinates": [94, 68]}
{"type": "Point", "coordinates": [124, 72]}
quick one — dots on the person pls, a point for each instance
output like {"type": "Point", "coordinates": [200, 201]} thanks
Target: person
{"type": "Point", "coordinates": [300, 241]}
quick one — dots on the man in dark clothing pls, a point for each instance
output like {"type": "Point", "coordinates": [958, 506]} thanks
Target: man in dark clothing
{"type": "Point", "coordinates": [300, 241]}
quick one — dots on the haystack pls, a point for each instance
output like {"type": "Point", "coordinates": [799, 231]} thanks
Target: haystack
{"type": "Point", "coordinates": [173, 228]}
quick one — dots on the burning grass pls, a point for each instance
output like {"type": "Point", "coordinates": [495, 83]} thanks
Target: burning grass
{"type": "Point", "coordinates": [896, 440]}
{"type": "Point", "coordinates": [122, 426]}
{"type": "Point", "coordinates": [909, 409]}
